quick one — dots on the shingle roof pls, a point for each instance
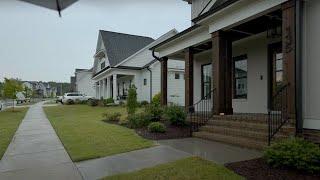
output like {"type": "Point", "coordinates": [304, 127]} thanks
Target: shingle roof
{"type": "Point", "coordinates": [51, 4]}
{"type": "Point", "coordinates": [120, 46]}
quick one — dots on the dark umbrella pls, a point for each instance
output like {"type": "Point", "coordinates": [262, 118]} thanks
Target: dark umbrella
{"type": "Point", "coordinates": [57, 5]}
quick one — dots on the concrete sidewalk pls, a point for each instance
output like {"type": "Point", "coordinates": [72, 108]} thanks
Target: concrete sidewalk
{"type": "Point", "coordinates": [36, 152]}
{"type": "Point", "coordinates": [217, 152]}
{"type": "Point", "coordinates": [128, 162]}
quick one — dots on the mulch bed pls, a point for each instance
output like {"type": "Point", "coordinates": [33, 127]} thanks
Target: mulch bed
{"type": "Point", "coordinates": [173, 132]}
{"type": "Point", "coordinates": [259, 169]}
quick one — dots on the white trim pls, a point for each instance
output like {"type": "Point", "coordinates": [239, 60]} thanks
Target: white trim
{"type": "Point", "coordinates": [311, 124]}
{"type": "Point", "coordinates": [241, 11]}
{"type": "Point", "coordinates": [157, 41]}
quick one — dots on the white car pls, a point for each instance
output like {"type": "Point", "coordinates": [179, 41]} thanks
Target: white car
{"type": "Point", "coordinates": [1, 105]}
{"type": "Point", "coordinates": [72, 97]}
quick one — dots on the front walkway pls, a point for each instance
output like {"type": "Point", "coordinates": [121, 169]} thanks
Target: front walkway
{"type": "Point", "coordinates": [36, 151]}
{"type": "Point", "coordinates": [217, 152]}
{"type": "Point", "coordinates": [128, 162]}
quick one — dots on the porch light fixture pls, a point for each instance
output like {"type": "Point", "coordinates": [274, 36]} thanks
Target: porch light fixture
{"type": "Point", "coordinates": [57, 5]}
{"type": "Point", "coordinates": [274, 30]}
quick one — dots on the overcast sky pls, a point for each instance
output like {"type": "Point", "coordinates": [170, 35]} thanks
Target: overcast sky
{"type": "Point", "coordinates": [35, 44]}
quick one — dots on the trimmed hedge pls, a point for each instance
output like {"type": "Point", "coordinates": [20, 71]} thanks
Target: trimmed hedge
{"type": "Point", "coordinates": [157, 127]}
{"type": "Point", "coordinates": [295, 153]}
{"type": "Point", "coordinates": [112, 117]}
{"type": "Point", "coordinates": [176, 115]}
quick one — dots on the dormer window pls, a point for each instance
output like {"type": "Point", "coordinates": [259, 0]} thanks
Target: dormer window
{"type": "Point", "coordinates": [103, 65]}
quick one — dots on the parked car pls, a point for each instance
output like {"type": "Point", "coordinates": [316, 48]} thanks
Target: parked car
{"type": "Point", "coordinates": [59, 99]}
{"type": "Point", "coordinates": [20, 98]}
{"type": "Point", "coordinates": [72, 97]}
{"type": "Point", "coordinates": [1, 105]}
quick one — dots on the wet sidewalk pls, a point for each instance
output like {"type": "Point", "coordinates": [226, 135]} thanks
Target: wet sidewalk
{"type": "Point", "coordinates": [36, 152]}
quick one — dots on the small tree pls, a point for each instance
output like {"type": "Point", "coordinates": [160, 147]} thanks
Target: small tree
{"type": "Point", "coordinates": [132, 103]}
{"type": "Point", "coordinates": [10, 89]}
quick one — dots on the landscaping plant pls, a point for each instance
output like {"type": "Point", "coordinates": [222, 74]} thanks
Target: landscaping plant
{"type": "Point", "coordinates": [294, 153]}
{"type": "Point", "coordinates": [93, 102]}
{"type": "Point", "coordinates": [154, 111]}
{"type": "Point", "coordinates": [157, 127]}
{"type": "Point", "coordinates": [176, 115]}
{"type": "Point", "coordinates": [138, 120]}
{"type": "Point", "coordinates": [108, 101]}
{"type": "Point", "coordinates": [112, 117]}
{"type": "Point", "coordinates": [132, 103]}
{"type": "Point", "coordinates": [144, 103]}
{"type": "Point", "coordinates": [156, 100]}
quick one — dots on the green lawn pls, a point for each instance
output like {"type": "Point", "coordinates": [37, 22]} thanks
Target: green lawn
{"type": "Point", "coordinates": [186, 169]}
{"type": "Point", "coordinates": [9, 123]}
{"type": "Point", "coordinates": [86, 136]}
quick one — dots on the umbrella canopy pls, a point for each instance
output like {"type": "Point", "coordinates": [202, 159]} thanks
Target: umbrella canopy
{"type": "Point", "coordinates": [58, 5]}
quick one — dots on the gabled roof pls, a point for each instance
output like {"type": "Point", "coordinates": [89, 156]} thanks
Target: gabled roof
{"type": "Point", "coordinates": [120, 46]}
{"type": "Point", "coordinates": [217, 6]}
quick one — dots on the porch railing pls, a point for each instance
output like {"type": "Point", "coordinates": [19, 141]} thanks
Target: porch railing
{"type": "Point", "coordinates": [278, 112]}
{"type": "Point", "coordinates": [201, 112]}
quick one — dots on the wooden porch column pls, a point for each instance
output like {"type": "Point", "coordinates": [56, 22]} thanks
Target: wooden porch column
{"type": "Point", "coordinates": [188, 78]}
{"type": "Point", "coordinates": [289, 49]}
{"type": "Point", "coordinates": [164, 81]}
{"type": "Point", "coordinates": [222, 73]}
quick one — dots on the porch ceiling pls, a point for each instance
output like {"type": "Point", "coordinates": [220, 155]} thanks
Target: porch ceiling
{"type": "Point", "coordinates": [256, 26]}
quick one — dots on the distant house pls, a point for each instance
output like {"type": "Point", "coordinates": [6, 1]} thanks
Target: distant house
{"type": "Point", "coordinates": [40, 89]}
{"type": "Point", "coordinates": [84, 83]}
{"type": "Point", "coordinates": [72, 84]}
{"type": "Point", "coordinates": [123, 60]}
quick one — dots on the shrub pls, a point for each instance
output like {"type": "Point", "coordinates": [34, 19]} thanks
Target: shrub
{"type": "Point", "coordinates": [109, 117]}
{"type": "Point", "coordinates": [157, 127]}
{"type": "Point", "coordinates": [93, 102]}
{"type": "Point", "coordinates": [294, 153]}
{"type": "Point", "coordinates": [144, 103]}
{"type": "Point", "coordinates": [108, 101]}
{"type": "Point", "coordinates": [154, 111]}
{"type": "Point", "coordinates": [176, 115]}
{"type": "Point", "coordinates": [156, 100]}
{"type": "Point", "coordinates": [138, 120]}
{"type": "Point", "coordinates": [78, 101]}
{"type": "Point", "coordinates": [132, 103]}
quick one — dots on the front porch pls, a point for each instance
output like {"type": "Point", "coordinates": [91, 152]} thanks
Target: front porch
{"type": "Point", "coordinates": [114, 86]}
{"type": "Point", "coordinates": [245, 68]}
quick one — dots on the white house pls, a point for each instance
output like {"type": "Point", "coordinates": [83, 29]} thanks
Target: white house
{"type": "Point", "coordinates": [257, 58]}
{"type": "Point", "coordinates": [84, 83]}
{"type": "Point", "coordinates": [123, 60]}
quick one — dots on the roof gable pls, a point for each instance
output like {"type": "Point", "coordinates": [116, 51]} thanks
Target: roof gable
{"type": "Point", "coordinates": [119, 46]}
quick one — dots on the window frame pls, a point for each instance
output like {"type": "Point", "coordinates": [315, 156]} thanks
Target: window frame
{"type": "Point", "coordinates": [176, 75]}
{"type": "Point", "coordinates": [104, 65]}
{"type": "Point", "coordinates": [235, 59]}
{"type": "Point", "coordinates": [145, 81]}
{"type": "Point", "coordinates": [202, 80]}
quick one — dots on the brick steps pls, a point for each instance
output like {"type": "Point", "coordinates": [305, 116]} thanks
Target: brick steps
{"type": "Point", "coordinates": [239, 141]}
{"type": "Point", "coordinates": [252, 134]}
{"type": "Point", "coordinates": [241, 130]}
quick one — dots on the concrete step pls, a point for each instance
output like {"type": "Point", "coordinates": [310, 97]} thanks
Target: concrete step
{"type": "Point", "coordinates": [255, 135]}
{"type": "Point", "coordinates": [242, 125]}
{"type": "Point", "coordinates": [239, 141]}
{"type": "Point", "coordinates": [259, 118]}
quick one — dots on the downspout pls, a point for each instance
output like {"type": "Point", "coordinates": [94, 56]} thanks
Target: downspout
{"type": "Point", "coordinates": [299, 80]}
{"type": "Point", "coordinates": [148, 68]}
{"type": "Point", "coordinates": [156, 57]}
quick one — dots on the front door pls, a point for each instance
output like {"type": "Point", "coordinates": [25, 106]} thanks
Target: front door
{"type": "Point", "coordinates": [275, 71]}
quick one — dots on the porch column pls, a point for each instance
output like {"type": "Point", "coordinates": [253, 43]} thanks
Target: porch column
{"type": "Point", "coordinates": [164, 81]}
{"type": "Point", "coordinates": [289, 49]}
{"type": "Point", "coordinates": [188, 78]}
{"type": "Point", "coordinates": [104, 88]}
{"type": "Point", "coordinates": [115, 87]}
{"type": "Point", "coordinates": [222, 73]}
{"type": "Point", "coordinates": [108, 87]}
